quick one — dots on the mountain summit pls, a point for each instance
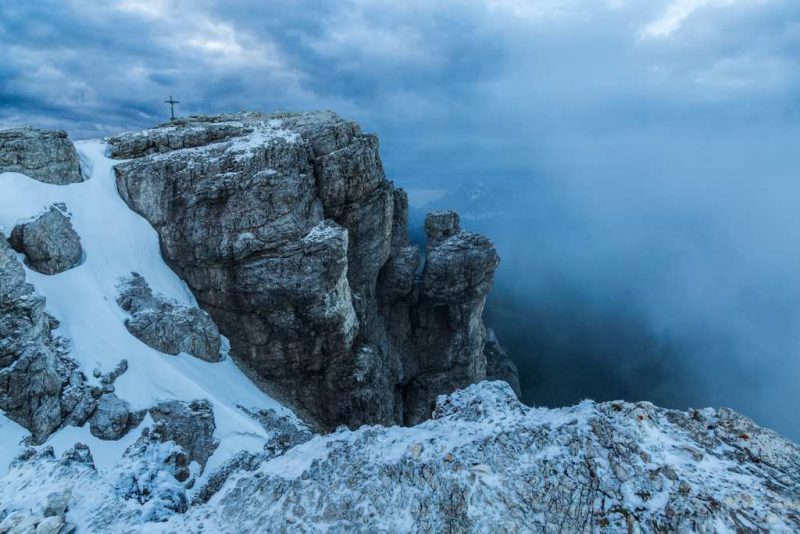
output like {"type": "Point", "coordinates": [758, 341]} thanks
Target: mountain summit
{"type": "Point", "coordinates": [220, 324]}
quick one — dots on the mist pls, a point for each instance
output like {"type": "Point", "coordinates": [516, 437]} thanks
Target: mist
{"type": "Point", "coordinates": [662, 269]}
{"type": "Point", "coordinates": [636, 163]}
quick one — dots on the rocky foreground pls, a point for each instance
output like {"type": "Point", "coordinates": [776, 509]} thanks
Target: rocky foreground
{"type": "Point", "coordinates": [124, 403]}
{"type": "Point", "coordinates": [484, 463]}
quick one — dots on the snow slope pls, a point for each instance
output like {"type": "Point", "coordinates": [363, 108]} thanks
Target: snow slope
{"type": "Point", "coordinates": [117, 241]}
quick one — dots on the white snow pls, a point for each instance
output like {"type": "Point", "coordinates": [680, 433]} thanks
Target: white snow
{"type": "Point", "coordinates": [11, 434]}
{"type": "Point", "coordinates": [117, 241]}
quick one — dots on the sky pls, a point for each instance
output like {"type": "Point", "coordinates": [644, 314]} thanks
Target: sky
{"type": "Point", "coordinates": [642, 155]}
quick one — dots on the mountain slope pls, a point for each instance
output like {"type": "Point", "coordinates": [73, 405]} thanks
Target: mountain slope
{"type": "Point", "coordinates": [83, 299]}
{"type": "Point", "coordinates": [102, 432]}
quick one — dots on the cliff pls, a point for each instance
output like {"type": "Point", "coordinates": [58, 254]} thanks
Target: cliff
{"type": "Point", "coordinates": [123, 402]}
{"type": "Point", "coordinates": [288, 233]}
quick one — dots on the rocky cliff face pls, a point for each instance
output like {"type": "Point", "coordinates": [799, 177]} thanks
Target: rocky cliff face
{"type": "Point", "coordinates": [292, 239]}
{"type": "Point", "coordinates": [41, 387]}
{"type": "Point", "coordinates": [289, 235]}
{"type": "Point", "coordinates": [30, 384]}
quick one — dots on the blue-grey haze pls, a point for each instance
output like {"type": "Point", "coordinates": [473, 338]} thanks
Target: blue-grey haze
{"type": "Point", "coordinates": [638, 161]}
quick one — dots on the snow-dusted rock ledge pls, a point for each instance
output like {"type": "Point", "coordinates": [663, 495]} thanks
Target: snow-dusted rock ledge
{"type": "Point", "coordinates": [485, 463]}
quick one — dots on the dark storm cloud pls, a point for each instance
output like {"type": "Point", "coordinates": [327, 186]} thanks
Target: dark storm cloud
{"type": "Point", "coordinates": [646, 152]}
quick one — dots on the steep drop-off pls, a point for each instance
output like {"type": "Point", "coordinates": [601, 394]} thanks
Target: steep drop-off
{"type": "Point", "coordinates": [123, 412]}
{"type": "Point", "coordinates": [288, 233]}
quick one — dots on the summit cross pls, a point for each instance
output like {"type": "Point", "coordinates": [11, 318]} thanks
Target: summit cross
{"type": "Point", "coordinates": [171, 106]}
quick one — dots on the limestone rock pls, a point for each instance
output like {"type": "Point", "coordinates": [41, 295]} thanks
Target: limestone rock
{"type": "Point", "coordinates": [155, 472]}
{"type": "Point", "coordinates": [166, 326]}
{"type": "Point", "coordinates": [446, 349]}
{"type": "Point", "coordinates": [487, 463]}
{"type": "Point", "coordinates": [289, 235]}
{"type": "Point", "coordinates": [41, 388]}
{"type": "Point", "coordinates": [29, 381]}
{"type": "Point", "coordinates": [77, 401]}
{"type": "Point", "coordinates": [190, 425]}
{"type": "Point", "coordinates": [45, 155]}
{"type": "Point", "coordinates": [57, 503]}
{"type": "Point", "coordinates": [113, 418]}
{"type": "Point", "coordinates": [78, 454]}
{"type": "Point", "coordinates": [49, 242]}
{"type": "Point", "coordinates": [440, 225]}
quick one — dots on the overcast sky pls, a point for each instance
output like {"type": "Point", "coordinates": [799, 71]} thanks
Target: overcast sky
{"type": "Point", "coordinates": [655, 142]}
{"type": "Point", "coordinates": [455, 72]}
{"type": "Point", "coordinates": [480, 84]}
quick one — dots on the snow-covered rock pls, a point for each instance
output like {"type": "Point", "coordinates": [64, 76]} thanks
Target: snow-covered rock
{"type": "Point", "coordinates": [67, 333]}
{"type": "Point", "coordinates": [290, 236]}
{"type": "Point", "coordinates": [30, 384]}
{"type": "Point", "coordinates": [49, 242]}
{"type": "Point", "coordinates": [45, 155]}
{"type": "Point", "coordinates": [164, 324]}
{"type": "Point", "coordinates": [190, 425]}
{"type": "Point", "coordinates": [485, 463]}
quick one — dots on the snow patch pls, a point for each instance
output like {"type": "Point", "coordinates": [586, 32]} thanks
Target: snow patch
{"type": "Point", "coordinates": [118, 241]}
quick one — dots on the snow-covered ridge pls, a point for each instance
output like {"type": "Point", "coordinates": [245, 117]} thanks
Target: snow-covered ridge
{"type": "Point", "coordinates": [486, 463]}
{"type": "Point", "coordinates": [83, 299]}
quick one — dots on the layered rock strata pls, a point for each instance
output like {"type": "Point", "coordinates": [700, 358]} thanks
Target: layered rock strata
{"type": "Point", "coordinates": [45, 155]}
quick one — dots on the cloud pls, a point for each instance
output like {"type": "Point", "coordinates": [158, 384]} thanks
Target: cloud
{"type": "Point", "coordinates": [680, 10]}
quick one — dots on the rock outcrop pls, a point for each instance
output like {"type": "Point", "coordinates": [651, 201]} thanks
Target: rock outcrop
{"type": "Point", "coordinates": [113, 418]}
{"type": "Point", "coordinates": [45, 155]}
{"type": "Point", "coordinates": [41, 388]}
{"type": "Point", "coordinates": [48, 519]}
{"type": "Point", "coordinates": [484, 463]}
{"type": "Point", "coordinates": [291, 238]}
{"type": "Point", "coordinates": [30, 385]}
{"type": "Point", "coordinates": [165, 325]}
{"type": "Point", "coordinates": [190, 425]}
{"type": "Point", "coordinates": [49, 242]}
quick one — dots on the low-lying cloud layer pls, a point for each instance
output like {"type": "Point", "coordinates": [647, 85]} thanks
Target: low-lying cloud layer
{"type": "Point", "coordinates": [648, 152]}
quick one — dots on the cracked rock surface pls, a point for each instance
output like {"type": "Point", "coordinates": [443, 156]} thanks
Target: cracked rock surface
{"type": "Point", "coordinates": [45, 155]}
{"type": "Point", "coordinates": [484, 463]}
{"type": "Point", "coordinates": [50, 243]}
{"type": "Point", "coordinates": [165, 325]}
{"type": "Point", "coordinates": [290, 236]}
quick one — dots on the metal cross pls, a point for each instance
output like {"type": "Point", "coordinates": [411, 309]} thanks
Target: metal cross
{"type": "Point", "coordinates": [171, 106]}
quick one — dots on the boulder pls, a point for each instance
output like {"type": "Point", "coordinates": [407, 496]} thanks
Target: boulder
{"type": "Point", "coordinates": [190, 425]}
{"type": "Point", "coordinates": [45, 155]}
{"type": "Point", "coordinates": [113, 418]}
{"type": "Point", "coordinates": [49, 242]}
{"type": "Point", "coordinates": [165, 325]}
